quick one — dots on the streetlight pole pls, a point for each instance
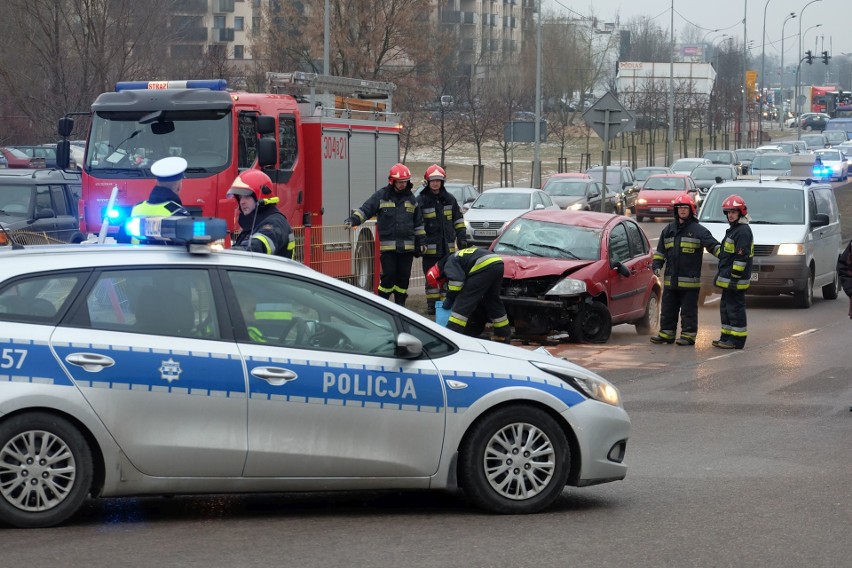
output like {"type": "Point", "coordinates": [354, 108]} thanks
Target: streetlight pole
{"type": "Point", "coordinates": [781, 114]}
{"type": "Point", "coordinates": [801, 54]}
{"type": "Point", "coordinates": [670, 149]}
{"type": "Point", "coordinates": [763, 81]}
{"type": "Point", "coordinates": [744, 120]}
{"type": "Point", "coordinates": [536, 177]}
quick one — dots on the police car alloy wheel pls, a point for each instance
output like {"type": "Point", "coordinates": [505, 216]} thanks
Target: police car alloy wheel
{"type": "Point", "coordinates": [515, 461]}
{"type": "Point", "coordinates": [45, 470]}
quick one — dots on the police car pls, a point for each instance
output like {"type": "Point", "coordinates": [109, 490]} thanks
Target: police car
{"type": "Point", "coordinates": [152, 370]}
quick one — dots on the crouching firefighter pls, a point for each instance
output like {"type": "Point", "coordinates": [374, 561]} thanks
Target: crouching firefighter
{"type": "Point", "coordinates": [473, 277]}
{"type": "Point", "coordinates": [264, 228]}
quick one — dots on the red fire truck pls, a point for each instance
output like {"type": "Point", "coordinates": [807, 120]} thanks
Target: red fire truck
{"type": "Point", "coordinates": [325, 153]}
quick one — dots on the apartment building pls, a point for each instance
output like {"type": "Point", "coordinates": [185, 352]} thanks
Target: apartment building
{"type": "Point", "coordinates": [211, 26]}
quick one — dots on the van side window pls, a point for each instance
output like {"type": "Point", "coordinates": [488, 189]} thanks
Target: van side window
{"type": "Point", "coordinates": [287, 142]}
{"type": "Point", "coordinates": [825, 204]}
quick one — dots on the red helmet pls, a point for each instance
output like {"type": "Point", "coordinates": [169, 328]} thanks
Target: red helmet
{"type": "Point", "coordinates": [399, 172]}
{"type": "Point", "coordinates": [251, 182]}
{"type": "Point", "coordinates": [434, 278]}
{"type": "Point", "coordinates": [435, 172]}
{"type": "Point", "coordinates": [735, 203]}
{"type": "Point", "coordinates": [682, 200]}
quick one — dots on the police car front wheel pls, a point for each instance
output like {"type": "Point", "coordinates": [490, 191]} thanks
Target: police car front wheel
{"type": "Point", "coordinates": [515, 461]}
{"type": "Point", "coordinates": [45, 470]}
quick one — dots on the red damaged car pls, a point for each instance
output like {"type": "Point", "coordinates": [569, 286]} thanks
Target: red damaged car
{"type": "Point", "coordinates": [575, 274]}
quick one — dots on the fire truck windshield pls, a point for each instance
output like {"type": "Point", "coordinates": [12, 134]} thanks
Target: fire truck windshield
{"type": "Point", "coordinates": [120, 145]}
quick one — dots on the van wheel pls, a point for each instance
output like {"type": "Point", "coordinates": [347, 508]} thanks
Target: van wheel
{"type": "Point", "coordinates": [805, 298]}
{"type": "Point", "coordinates": [829, 291]}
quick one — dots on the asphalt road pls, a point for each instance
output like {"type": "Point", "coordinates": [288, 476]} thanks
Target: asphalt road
{"type": "Point", "coordinates": [736, 459]}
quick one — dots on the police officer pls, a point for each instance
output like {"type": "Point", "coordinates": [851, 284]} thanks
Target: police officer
{"type": "Point", "coordinates": [444, 226]}
{"type": "Point", "coordinates": [473, 277]}
{"type": "Point", "coordinates": [680, 250]}
{"type": "Point", "coordinates": [164, 199]}
{"type": "Point", "coordinates": [734, 275]}
{"type": "Point", "coordinates": [401, 233]}
{"type": "Point", "coordinates": [264, 228]}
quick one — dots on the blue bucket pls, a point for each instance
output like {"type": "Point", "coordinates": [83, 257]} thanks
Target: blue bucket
{"type": "Point", "coordinates": [442, 315]}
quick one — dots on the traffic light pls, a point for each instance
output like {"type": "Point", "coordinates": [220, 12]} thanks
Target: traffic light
{"type": "Point", "coordinates": [825, 57]}
{"type": "Point", "coordinates": [809, 57]}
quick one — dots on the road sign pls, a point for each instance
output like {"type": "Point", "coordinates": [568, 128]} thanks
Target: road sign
{"type": "Point", "coordinates": [608, 117]}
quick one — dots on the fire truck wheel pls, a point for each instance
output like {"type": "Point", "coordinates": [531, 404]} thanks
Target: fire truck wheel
{"type": "Point", "coordinates": [364, 263]}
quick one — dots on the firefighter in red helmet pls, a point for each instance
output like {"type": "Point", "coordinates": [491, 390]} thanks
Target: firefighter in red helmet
{"type": "Point", "coordinates": [444, 226]}
{"type": "Point", "coordinates": [680, 250]}
{"type": "Point", "coordinates": [264, 228]}
{"type": "Point", "coordinates": [473, 277]}
{"type": "Point", "coordinates": [734, 274]}
{"type": "Point", "coordinates": [399, 222]}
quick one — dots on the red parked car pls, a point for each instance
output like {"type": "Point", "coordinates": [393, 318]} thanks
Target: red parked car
{"type": "Point", "coordinates": [659, 192]}
{"type": "Point", "coordinates": [575, 274]}
{"type": "Point", "coordinates": [18, 159]}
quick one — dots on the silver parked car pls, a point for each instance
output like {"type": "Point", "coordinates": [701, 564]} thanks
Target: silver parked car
{"type": "Point", "coordinates": [495, 208]}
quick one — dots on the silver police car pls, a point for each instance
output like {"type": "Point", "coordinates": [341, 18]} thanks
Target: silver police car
{"type": "Point", "coordinates": [151, 370]}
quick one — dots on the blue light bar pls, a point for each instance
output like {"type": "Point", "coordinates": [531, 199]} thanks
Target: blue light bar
{"type": "Point", "coordinates": [211, 84]}
{"type": "Point", "coordinates": [192, 230]}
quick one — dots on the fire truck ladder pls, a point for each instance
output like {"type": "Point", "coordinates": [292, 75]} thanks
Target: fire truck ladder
{"type": "Point", "coordinates": [355, 88]}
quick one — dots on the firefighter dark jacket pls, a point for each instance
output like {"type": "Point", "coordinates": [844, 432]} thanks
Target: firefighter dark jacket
{"type": "Point", "coordinates": [680, 248]}
{"type": "Point", "coordinates": [443, 222]}
{"type": "Point", "coordinates": [398, 218]}
{"type": "Point", "coordinates": [456, 268]}
{"type": "Point", "coordinates": [267, 232]}
{"type": "Point", "coordinates": [735, 257]}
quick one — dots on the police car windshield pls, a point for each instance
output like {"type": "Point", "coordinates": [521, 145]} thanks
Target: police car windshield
{"type": "Point", "coordinates": [119, 145]}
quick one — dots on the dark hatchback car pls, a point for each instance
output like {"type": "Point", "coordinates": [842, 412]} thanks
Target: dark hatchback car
{"type": "Point", "coordinates": [39, 205]}
{"type": "Point", "coordinates": [814, 122]}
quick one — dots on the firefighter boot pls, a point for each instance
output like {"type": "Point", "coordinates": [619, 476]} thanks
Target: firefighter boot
{"type": "Point", "coordinates": [430, 307]}
{"type": "Point", "coordinates": [658, 339]}
{"type": "Point", "coordinates": [400, 298]}
{"type": "Point", "coordinates": [502, 334]}
{"type": "Point", "coordinates": [385, 295]}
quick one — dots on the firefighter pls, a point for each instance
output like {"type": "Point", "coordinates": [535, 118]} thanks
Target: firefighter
{"type": "Point", "coordinates": [734, 275]}
{"type": "Point", "coordinates": [264, 228]}
{"type": "Point", "coordinates": [399, 222]}
{"type": "Point", "coordinates": [473, 277]}
{"type": "Point", "coordinates": [164, 199]}
{"type": "Point", "coordinates": [444, 226]}
{"type": "Point", "coordinates": [680, 250]}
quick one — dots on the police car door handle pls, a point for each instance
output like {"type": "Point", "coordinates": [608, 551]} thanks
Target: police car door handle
{"type": "Point", "coordinates": [275, 376]}
{"type": "Point", "coordinates": [91, 362]}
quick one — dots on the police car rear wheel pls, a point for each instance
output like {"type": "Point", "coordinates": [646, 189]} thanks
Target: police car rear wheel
{"type": "Point", "coordinates": [515, 461]}
{"type": "Point", "coordinates": [45, 470]}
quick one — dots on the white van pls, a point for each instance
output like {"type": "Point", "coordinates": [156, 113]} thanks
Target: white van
{"type": "Point", "coordinates": [796, 227]}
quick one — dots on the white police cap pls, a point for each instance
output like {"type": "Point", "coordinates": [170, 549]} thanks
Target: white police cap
{"type": "Point", "coordinates": [169, 169]}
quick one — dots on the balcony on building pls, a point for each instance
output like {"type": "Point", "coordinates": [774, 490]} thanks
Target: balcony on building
{"type": "Point", "coordinates": [223, 6]}
{"type": "Point", "coordinates": [223, 35]}
{"type": "Point", "coordinates": [190, 6]}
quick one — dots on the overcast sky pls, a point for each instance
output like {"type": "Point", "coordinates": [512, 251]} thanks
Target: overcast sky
{"type": "Point", "coordinates": [834, 35]}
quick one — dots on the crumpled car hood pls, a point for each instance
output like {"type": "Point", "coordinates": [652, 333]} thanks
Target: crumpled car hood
{"type": "Point", "coordinates": [523, 267]}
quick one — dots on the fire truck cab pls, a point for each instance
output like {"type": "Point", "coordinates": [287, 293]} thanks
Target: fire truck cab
{"type": "Point", "coordinates": [325, 153]}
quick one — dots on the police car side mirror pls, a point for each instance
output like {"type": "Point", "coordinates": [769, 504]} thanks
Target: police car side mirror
{"type": "Point", "coordinates": [408, 346]}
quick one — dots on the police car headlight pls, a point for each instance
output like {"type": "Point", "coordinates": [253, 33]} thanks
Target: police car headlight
{"type": "Point", "coordinates": [567, 287]}
{"type": "Point", "coordinates": [791, 249]}
{"type": "Point", "coordinates": [590, 386]}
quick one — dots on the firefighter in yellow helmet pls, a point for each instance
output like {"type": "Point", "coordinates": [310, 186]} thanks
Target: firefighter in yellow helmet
{"type": "Point", "coordinates": [264, 228]}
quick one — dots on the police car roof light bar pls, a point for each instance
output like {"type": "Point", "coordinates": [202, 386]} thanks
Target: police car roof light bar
{"type": "Point", "coordinates": [179, 230]}
{"type": "Point", "coordinates": [211, 84]}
